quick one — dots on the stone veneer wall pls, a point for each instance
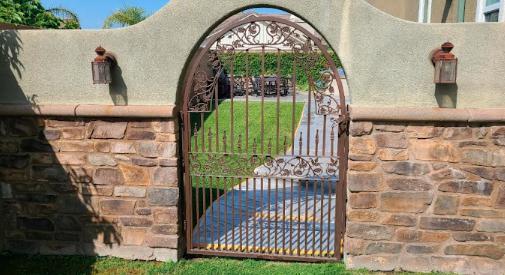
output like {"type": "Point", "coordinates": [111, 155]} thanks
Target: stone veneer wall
{"type": "Point", "coordinates": [425, 197]}
{"type": "Point", "coordinates": [90, 186]}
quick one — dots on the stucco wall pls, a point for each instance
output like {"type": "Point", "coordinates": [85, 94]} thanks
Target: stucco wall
{"type": "Point", "coordinates": [386, 58]}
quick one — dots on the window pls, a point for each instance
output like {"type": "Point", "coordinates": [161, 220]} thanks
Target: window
{"type": "Point", "coordinates": [490, 11]}
{"type": "Point", "coordinates": [424, 14]}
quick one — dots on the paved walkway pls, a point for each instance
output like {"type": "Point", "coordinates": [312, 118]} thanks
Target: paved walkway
{"type": "Point", "coordinates": [287, 215]}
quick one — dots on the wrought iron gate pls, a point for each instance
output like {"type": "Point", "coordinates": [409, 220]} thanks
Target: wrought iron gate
{"type": "Point", "coordinates": [265, 163]}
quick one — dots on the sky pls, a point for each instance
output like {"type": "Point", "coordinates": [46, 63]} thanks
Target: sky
{"type": "Point", "coordinates": [92, 13]}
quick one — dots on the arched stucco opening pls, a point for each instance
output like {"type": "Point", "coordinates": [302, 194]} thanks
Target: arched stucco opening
{"type": "Point", "coordinates": [234, 70]}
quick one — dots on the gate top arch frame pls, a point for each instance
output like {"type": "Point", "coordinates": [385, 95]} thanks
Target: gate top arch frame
{"type": "Point", "coordinates": [340, 112]}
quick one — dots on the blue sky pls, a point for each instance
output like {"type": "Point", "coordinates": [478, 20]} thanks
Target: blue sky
{"type": "Point", "coordinates": [92, 13]}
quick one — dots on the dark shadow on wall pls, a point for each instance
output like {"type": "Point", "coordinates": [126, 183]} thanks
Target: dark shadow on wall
{"type": "Point", "coordinates": [11, 67]}
{"type": "Point", "coordinates": [446, 95]}
{"type": "Point", "coordinates": [48, 200]}
{"type": "Point", "coordinates": [117, 89]}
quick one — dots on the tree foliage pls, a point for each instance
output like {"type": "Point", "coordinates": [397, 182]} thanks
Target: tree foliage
{"type": "Point", "coordinates": [125, 17]}
{"type": "Point", "coordinates": [32, 13]}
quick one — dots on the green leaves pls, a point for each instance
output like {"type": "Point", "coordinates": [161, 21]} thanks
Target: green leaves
{"type": "Point", "coordinates": [32, 13]}
{"type": "Point", "coordinates": [125, 17]}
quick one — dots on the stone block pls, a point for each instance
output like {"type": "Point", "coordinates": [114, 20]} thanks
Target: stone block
{"type": "Point", "coordinates": [388, 154]}
{"type": "Point", "coordinates": [483, 213]}
{"type": "Point", "coordinates": [136, 134]}
{"type": "Point", "coordinates": [482, 187]}
{"type": "Point", "coordinates": [492, 226]}
{"type": "Point", "coordinates": [383, 248]}
{"type": "Point", "coordinates": [168, 215]}
{"type": "Point", "coordinates": [133, 236]}
{"type": "Point", "coordinates": [39, 224]}
{"type": "Point", "coordinates": [143, 211]}
{"type": "Point", "coordinates": [364, 182]}
{"type": "Point", "coordinates": [390, 140]}
{"type": "Point", "coordinates": [456, 133]}
{"type": "Point", "coordinates": [75, 146]}
{"type": "Point", "coordinates": [73, 133]}
{"type": "Point", "coordinates": [420, 249]}
{"type": "Point", "coordinates": [476, 201]}
{"type": "Point", "coordinates": [423, 132]}
{"type": "Point", "coordinates": [497, 131]}
{"type": "Point", "coordinates": [58, 249]}
{"type": "Point", "coordinates": [358, 157]}
{"type": "Point", "coordinates": [102, 146]}
{"type": "Point", "coordinates": [168, 126]}
{"type": "Point", "coordinates": [163, 197]}
{"type": "Point", "coordinates": [362, 216]}
{"type": "Point", "coordinates": [400, 220]}
{"type": "Point", "coordinates": [453, 224]}
{"type": "Point", "coordinates": [165, 176]}
{"type": "Point", "coordinates": [388, 127]}
{"type": "Point", "coordinates": [135, 175]}
{"type": "Point", "coordinates": [409, 202]}
{"type": "Point", "coordinates": [362, 145]}
{"type": "Point", "coordinates": [500, 198]}
{"type": "Point", "coordinates": [484, 157]}
{"type": "Point", "coordinates": [408, 184]}
{"type": "Point", "coordinates": [373, 262]}
{"type": "Point", "coordinates": [161, 241]}
{"type": "Point", "coordinates": [147, 162]}
{"type": "Point", "coordinates": [67, 223]}
{"type": "Point", "coordinates": [14, 161]}
{"type": "Point", "coordinates": [483, 172]}
{"type": "Point", "coordinates": [362, 166]}
{"type": "Point", "coordinates": [35, 145]}
{"type": "Point", "coordinates": [435, 151]}
{"type": "Point", "coordinates": [117, 207]}
{"type": "Point", "coordinates": [355, 246]}
{"type": "Point", "coordinates": [136, 221]}
{"type": "Point", "coordinates": [406, 168]}
{"type": "Point", "coordinates": [122, 148]}
{"type": "Point", "coordinates": [500, 174]}
{"type": "Point", "coordinates": [128, 191]}
{"type": "Point", "coordinates": [165, 229]}
{"type": "Point", "coordinates": [101, 159]}
{"type": "Point", "coordinates": [108, 176]}
{"type": "Point", "coordinates": [361, 128]}
{"type": "Point", "coordinates": [51, 134]}
{"type": "Point", "coordinates": [73, 158]}
{"type": "Point", "coordinates": [450, 264]}
{"type": "Point", "coordinates": [108, 130]}
{"type": "Point", "coordinates": [446, 205]}
{"type": "Point", "coordinates": [363, 200]}
{"type": "Point", "coordinates": [415, 263]}
{"type": "Point", "coordinates": [170, 162]}
{"type": "Point", "coordinates": [471, 237]}
{"type": "Point", "coordinates": [24, 127]}
{"type": "Point", "coordinates": [369, 231]}
{"type": "Point", "coordinates": [482, 250]}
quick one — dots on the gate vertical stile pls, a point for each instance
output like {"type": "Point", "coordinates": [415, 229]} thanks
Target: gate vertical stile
{"type": "Point", "coordinates": [290, 196]}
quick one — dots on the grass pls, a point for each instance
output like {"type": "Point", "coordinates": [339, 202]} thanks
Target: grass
{"type": "Point", "coordinates": [62, 265]}
{"type": "Point", "coordinates": [238, 158]}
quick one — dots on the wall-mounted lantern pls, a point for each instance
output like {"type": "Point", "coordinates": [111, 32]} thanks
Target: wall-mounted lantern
{"type": "Point", "coordinates": [102, 65]}
{"type": "Point", "coordinates": [446, 64]}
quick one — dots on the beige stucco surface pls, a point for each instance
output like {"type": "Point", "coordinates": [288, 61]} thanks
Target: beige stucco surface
{"type": "Point", "coordinates": [386, 58]}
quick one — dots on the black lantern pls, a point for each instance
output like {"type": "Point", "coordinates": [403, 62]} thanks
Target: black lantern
{"type": "Point", "coordinates": [446, 64]}
{"type": "Point", "coordinates": [101, 66]}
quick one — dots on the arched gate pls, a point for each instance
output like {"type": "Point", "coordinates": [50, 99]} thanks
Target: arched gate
{"type": "Point", "coordinates": [265, 144]}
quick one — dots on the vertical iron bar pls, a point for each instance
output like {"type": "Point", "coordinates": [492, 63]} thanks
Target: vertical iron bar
{"type": "Point", "coordinates": [216, 113]}
{"type": "Point", "coordinates": [232, 91]}
{"type": "Point", "coordinates": [276, 215]}
{"type": "Point", "coordinates": [284, 216]}
{"type": "Point", "coordinates": [204, 212]}
{"type": "Point", "coordinates": [332, 140]}
{"type": "Point", "coordinates": [240, 214]}
{"type": "Point", "coordinates": [197, 187]}
{"type": "Point", "coordinates": [232, 213]}
{"type": "Point", "coordinates": [247, 215]}
{"type": "Point", "coordinates": [316, 140]}
{"type": "Point", "coordinates": [225, 218]}
{"type": "Point", "coordinates": [278, 88]}
{"type": "Point", "coordinates": [269, 219]}
{"type": "Point", "coordinates": [261, 216]}
{"type": "Point", "coordinates": [314, 213]}
{"type": "Point", "coordinates": [211, 206]}
{"type": "Point", "coordinates": [293, 107]}
{"type": "Point", "coordinates": [306, 217]}
{"type": "Point", "coordinates": [202, 126]}
{"type": "Point", "coordinates": [299, 233]}
{"type": "Point", "coordinates": [291, 217]}
{"type": "Point", "coordinates": [309, 112]}
{"type": "Point", "coordinates": [262, 97]}
{"type": "Point", "coordinates": [329, 217]}
{"type": "Point", "coordinates": [324, 136]}
{"type": "Point", "coordinates": [218, 202]}
{"type": "Point", "coordinates": [254, 215]}
{"type": "Point", "coordinates": [322, 218]}
{"type": "Point", "coordinates": [248, 82]}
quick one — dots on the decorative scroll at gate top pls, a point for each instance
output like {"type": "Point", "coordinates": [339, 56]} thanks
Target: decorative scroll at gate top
{"type": "Point", "coordinates": [264, 144]}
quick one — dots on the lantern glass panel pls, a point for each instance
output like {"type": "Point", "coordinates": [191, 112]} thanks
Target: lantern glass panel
{"type": "Point", "coordinates": [445, 71]}
{"type": "Point", "coordinates": [101, 72]}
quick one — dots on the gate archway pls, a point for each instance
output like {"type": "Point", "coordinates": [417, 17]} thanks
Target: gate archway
{"type": "Point", "coordinates": [264, 162]}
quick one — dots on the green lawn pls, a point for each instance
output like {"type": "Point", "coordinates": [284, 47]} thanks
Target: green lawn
{"type": "Point", "coordinates": [62, 265]}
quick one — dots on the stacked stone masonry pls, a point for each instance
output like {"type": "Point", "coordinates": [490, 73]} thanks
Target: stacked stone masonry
{"type": "Point", "coordinates": [425, 197]}
{"type": "Point", "coordinates": [90, 186]}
